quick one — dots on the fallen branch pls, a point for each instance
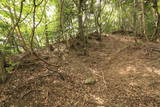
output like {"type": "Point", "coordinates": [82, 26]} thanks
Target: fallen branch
{"type": "Point", "coordinates": [28, 93]}
{"type": "Point", "coordinates": [155, 49]}
{"type": "Point", "coordinates": [56, 71]}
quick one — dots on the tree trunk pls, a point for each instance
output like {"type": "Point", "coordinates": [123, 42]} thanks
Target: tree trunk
{"type": "Point", "coordinates": [143, 21]}
{"type": "Point", "coordinates": [155, 7]}
{"type": "Point", "coordinates": [3, 73]}
{"type": "Point", "coordinates": [62, 17]}
{"type": "Point", "coordinates": [80, 21]}
{"type": "Point", "coordinates": [135, 20]}
{"type": "Point", "coordinates": [99, 21]}
{"type": "Point", "coordinates": [81, 27]}
{"type": "Point", "coordinates": [46, 29]}
{"type": "Point", "coordinates": [15, 23]}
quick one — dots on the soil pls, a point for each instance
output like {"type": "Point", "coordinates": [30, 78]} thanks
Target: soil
{"type": "Point", "coordinates": [127, 74]}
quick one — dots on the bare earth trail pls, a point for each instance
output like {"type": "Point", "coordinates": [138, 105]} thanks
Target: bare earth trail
{"type": "Point", "coordinates": [126, 74]}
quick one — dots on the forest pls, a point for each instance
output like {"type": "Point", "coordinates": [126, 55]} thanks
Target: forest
{"type": "Point", "coordinates": [79, 53]}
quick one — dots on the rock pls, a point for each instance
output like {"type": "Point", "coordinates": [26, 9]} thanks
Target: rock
{"type": "Point", "coordinates": [90, 81]}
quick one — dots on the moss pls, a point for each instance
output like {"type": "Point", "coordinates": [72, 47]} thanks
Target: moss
{"type": "Point", "coordinates": [90, 81]}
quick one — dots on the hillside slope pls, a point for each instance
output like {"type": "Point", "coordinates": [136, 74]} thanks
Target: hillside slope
{"type": "Point", "coordinates": [126, 75]}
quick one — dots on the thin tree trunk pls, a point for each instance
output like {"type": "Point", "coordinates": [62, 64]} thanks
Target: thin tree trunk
{"type": "Point", "coordinates": [155, 7]}
{"type": "Point", "coordinates": [62, 17]}
{"type": "Point", "coordinates": [135, 20]}
{"type": "Point", "coordinates": [32, 38]}
{"type": "Point", "coordinates": [143, 21]}
{"type": "Point", "coordinates": [80, 21]}
{"type": "Point", "coordinates": [81, 27]}
{"type": "Point", "coordinates": [24, 45]}
{"type": "Point", "coordinates": [34, 25]}
{"type": "Point", "coordinates": [46, 29]}
{"type": "Point", "coordinates": [15, 22]}
{"type": "Point", "coordinates": [99, 21]}
{"type": "Point", "coordinates": [3, 73]}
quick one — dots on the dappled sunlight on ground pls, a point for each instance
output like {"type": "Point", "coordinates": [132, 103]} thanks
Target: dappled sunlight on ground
{"type": "Point", "coordinates": [96, 72]}
{"type": "Point", "coordinates": [124, 39]}
{"type": "Point", "coordinates": [133, 84]}
{"type": "Point", "coordinates": [124, 77]}
{"type": "Point", "coordinates": [127, 70]}
{"type": "Point", "coordinates": [97, 99]}
{"type": "Point", "coordinates": [153, 70]}
{"type": "Point", "coordinates": [132, 69]}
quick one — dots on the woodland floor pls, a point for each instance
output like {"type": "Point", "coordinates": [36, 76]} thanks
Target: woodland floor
{"type": "Point", "coordinates": [126, 74]}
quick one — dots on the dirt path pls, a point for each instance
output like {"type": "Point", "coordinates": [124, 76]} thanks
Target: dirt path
{"type": "Point", "coordinates": [126, 75]}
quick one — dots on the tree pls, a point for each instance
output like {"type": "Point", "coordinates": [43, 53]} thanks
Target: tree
{"type": "Point", "coordinates": [155, 7]}
{"type": "Point", "coordinates": [81, 36]}
{"type": "Point", "coordinates": [143, 20]}
{"type": "Point", "coordinates": [3, 73]}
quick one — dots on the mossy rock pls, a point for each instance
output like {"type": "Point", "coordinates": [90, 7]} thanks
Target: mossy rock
{"type": "Point", "coordinates": [90, 81]}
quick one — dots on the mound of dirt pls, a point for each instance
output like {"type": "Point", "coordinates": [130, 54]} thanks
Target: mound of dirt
{"type": "Point", "coordinates": [126, 74]}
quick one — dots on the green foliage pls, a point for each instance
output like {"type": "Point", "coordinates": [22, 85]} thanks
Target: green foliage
{"type": "Point", "coordinates": [115, 15]}
{"type": "Point", "coordinates": [12, 66]}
